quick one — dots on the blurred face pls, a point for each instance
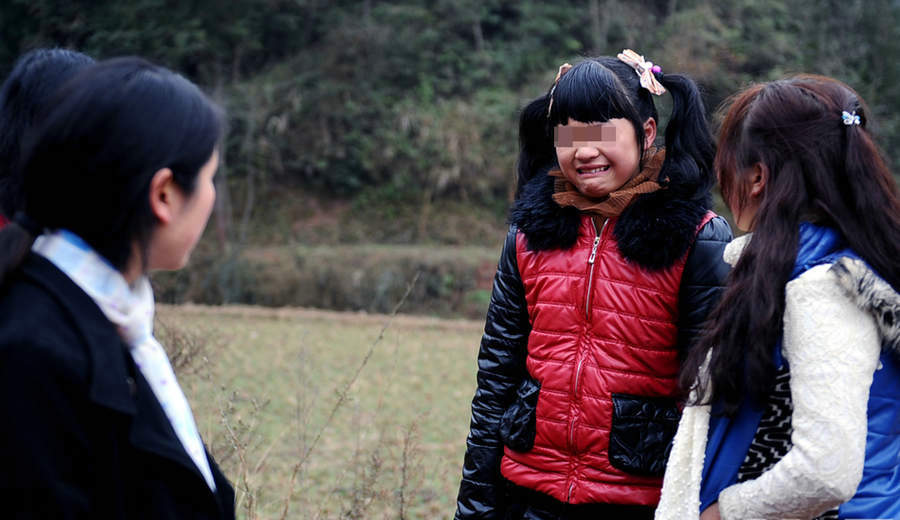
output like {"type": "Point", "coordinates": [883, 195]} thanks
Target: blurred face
{"type": "Point", "coordinates": [598, 158]}
{"type": "Point", "coordinates": [175, 238]}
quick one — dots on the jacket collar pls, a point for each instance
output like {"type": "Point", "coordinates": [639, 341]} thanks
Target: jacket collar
{"type": "Point", "coordinates": [872, 294]}
{"type": "Point", "coordinates": [111, 385]}
{"type": "Point", "coordinates": [114, 381]}
{"type": "Point", "coordinates": [654, 231]}
{"type": "Point", "coordinates": [816, 245]}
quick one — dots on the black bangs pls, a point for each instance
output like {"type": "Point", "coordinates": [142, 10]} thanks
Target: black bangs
{"type": "Point", "coordinates": [592, 93]}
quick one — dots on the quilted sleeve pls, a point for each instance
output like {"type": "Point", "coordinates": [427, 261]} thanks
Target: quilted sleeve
{"type": "Point", "coordinates": [501, 367]}
{"type": "Point", "coordinates": [702, 281]}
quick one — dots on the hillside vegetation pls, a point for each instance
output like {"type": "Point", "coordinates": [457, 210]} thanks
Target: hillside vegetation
{"type": "Point", "coordinates": [394, 122]}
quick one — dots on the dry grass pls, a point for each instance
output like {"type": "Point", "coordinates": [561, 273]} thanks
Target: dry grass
{"type": "Point", "coordinates": [265, 383]}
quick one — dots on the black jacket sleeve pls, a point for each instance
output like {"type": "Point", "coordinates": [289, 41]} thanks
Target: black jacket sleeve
{"type": "Point", "coordinates": [702, 281]}
{"type": "Point", "coordinates": [501, 367]}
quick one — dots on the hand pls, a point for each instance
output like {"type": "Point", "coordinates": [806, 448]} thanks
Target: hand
{"type": "Point", "coordinates": [711, 512]}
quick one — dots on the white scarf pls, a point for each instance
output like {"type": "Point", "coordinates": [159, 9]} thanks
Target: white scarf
{"type": "Point", "coordinates": [131, 310]}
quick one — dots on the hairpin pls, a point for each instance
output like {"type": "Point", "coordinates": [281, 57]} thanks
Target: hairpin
{"type": "Point", "coordinates": [850, 118]}
{"type": "Point", "coordinates": [562, 70]}
{"type": "Point", "coordinates": [645, 70]}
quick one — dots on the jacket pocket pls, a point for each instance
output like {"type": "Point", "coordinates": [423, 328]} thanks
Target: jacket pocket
{"type": "Point", "coordinates": [519, 422]}
{"type": "Point", "coordinates": [641, 434]}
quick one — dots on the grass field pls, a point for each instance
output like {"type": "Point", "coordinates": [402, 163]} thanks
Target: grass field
{"type": "Point", "coordinates": [276, 398]}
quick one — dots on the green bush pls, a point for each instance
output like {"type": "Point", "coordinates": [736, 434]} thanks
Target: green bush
{"type": "Point", "coordinates": [451, 281]}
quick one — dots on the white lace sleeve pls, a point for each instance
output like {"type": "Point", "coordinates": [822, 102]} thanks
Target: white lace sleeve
{"type": "Point", "coordinates": [833, 349]}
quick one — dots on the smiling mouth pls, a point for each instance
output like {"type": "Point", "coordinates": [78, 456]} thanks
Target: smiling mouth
{"type": "Point", "coordinates": [593, 169]}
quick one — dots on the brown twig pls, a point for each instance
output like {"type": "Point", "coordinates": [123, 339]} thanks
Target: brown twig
{"type": "Point", "coordinates": [342, 396]}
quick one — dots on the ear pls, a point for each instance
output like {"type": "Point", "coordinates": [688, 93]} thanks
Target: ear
{"type": "Point", "coordinates": [649, 132]}
{"type": "Point", "coordinates": [759, 176]}
{"type": "Point", "coordinates": [164, 196]}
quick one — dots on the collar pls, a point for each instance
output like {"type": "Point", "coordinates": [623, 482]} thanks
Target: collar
{"type": "Point", "coordinates": [112, 376]}
{"type": "Point", "coordinates": [816, 245]}
{"type": "Point", "coordinates": [643, 182]}
{"type": "Point", "coordinates": [114, 381]}
{"type": "Point", "coordinates": [735, 248]}
{"type": "Point", "coordinates": [128, 306]}
{"type": "Point", "coordinates": [654, 231]}
{"type": "Point", "coordinates": [872, 294]}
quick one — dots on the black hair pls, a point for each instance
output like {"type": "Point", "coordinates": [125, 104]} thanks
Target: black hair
{"type": "Point", "coordinates": [87, 166]}
{"type": "Point", "coordinates": [604, 88]}
{"type": "Point", "coordinates": [27, 89]}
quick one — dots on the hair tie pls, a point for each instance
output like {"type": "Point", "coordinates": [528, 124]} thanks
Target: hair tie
{"type": "Point", "coordinates": [562, 70]}
{"type": "Point", "coordinates": [850, 118]}
{"type": "Point", "coordinates": [28, 224]}
{"type": "Point", "coordinates": [645, 70]}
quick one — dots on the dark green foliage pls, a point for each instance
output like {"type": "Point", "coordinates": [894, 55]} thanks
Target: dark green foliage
{"type": "Point", "coordinates": [412, 102]}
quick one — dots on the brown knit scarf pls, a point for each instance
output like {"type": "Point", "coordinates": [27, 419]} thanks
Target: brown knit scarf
{"type": "Point", "coordinates": [646, 181]}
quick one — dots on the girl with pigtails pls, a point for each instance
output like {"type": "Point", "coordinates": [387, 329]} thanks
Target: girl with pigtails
{"type": "Point", "coordinates": [612, 260]}
{"type": "Point", "coordinates": [794, 409]}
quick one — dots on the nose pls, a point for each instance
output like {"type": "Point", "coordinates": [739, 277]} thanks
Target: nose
{"type": "Point", "coordinates": [586, 153]}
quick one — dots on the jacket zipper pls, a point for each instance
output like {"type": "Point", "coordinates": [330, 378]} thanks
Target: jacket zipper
{"type": "Point", "coordinates": [587, 313]}
{"type": "Point", "coordinates": [591, 259]}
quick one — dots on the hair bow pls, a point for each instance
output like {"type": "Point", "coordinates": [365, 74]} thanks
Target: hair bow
{"type": "Point", "coordinates": [562, 70]}
{"type": "Point", "coordinates": [644, 69]}
{"type": "Point", "coordinates": [850, 118]}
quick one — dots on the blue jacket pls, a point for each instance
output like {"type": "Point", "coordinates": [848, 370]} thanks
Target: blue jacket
{"type": "Point", "coordinates": [878, 493]}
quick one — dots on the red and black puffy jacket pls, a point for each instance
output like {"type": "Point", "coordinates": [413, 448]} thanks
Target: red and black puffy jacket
{"type": "Point", "coordinates": [579, 360]}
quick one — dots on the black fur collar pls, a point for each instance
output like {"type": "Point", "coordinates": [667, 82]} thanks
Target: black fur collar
{"type": "Point", "coordinates": [654, 231]}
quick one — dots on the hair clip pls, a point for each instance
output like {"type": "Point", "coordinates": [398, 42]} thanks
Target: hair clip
{"type": "Point", "coordinates": [850, 118]}
{"type": "Point", "coordinates": [645, 70]}
{"type": "Point", "coordinates": [562, 70]}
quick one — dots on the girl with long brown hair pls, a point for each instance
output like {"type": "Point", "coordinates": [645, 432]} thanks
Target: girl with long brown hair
{"type": "Point", "coordinates": [794, 409]}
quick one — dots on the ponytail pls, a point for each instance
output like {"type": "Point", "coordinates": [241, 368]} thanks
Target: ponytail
{"type": "Point", "coordinates": [875, 198]}
{"type": "Point", "coordinates": [536, 149]}
{"type": "Point", "coordinates": [690, 148]}
{"type": "Point", "coordinates": [16, 239]}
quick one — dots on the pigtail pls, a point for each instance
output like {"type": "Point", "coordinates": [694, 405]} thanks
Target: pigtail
{"type": "Point", "coordinates": [689, 144]}
{"type": "Point", "coordinates": [16, 239]}
{"type": "Point", "coordinates": [536, 150]}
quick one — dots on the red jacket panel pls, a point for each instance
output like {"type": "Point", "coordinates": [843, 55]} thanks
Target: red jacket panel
{"type": "Point", "coordinates": [601, 325]}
